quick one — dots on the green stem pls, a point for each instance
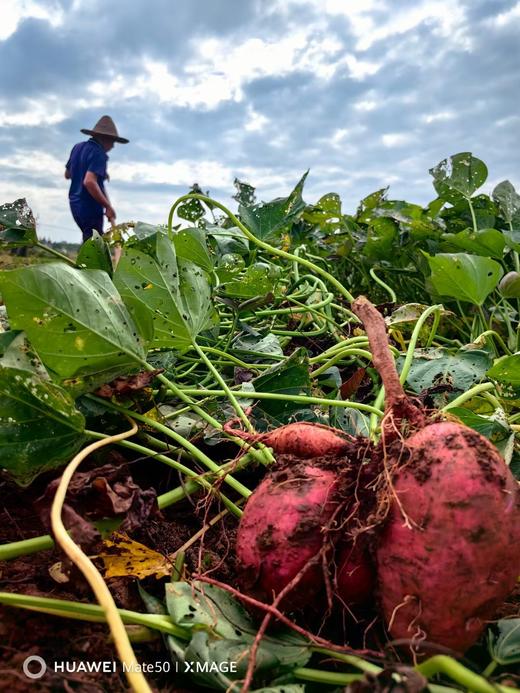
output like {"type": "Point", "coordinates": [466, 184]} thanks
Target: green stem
{"type": "Point", "coordinates": [56, 253]}
{"type": "Point", "coordinates": [492, 399]}
{"type": "Point", "coordinates": [339, 357]}
{"type": "Point", "coordinates": [485, 326]}
{"type": "Point", "coordinates": [490, 669]}
{"type": "Point", "coordinates": [473, 217]}
{"type": "Point", "coordinates": [315, 269]}
{"type": "Point", "coordinates": [302, 399]}
{"type": "Point", "coordinates": [472, 392]}
{"type": "Point", "coordinates": [354, 661]}
{"type": "Point", "coordinates": [358, 341]}
{"type": "Point", "coordinates": [495, 335]}
{"type": "Point", "coordinates": [229, 393]}
{"type": "Point", "coordinates": [433, 331]}
{"type": "Point", "coordinates": [330, 678]}
{"type": "Point", "coordinates": [180, 440]}
{"type": "Point", "coordinates": [25, 547]}
{"type": "Point", "coordinates": [442, 664]}
{"type": "Point", "coordinates": [91, 612]}
{"type": "Point", "coordinates": [233, 359]}
{"type": "Point", "coordinates": [388, 289]}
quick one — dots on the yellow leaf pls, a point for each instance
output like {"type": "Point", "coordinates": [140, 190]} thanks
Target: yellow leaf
{"type": "Point", "coordinates": [124, 556]}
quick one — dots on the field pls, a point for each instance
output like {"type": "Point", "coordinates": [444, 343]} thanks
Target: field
{"type": "Point", "coordinates": [154, 386]}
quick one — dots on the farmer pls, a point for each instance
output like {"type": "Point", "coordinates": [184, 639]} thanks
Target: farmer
{"type": "Point", "coordinates": [87, 171]}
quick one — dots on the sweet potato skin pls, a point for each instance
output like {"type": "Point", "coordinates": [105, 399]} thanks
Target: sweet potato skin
{"type": "Point", "coordinates": [442, 578]}
{"type": "Point", "coordinates": [355, 577]}
{"type": "Point", "coordinates": [282, 529]}
{"type": "Point", "coordinates": [301, 439]}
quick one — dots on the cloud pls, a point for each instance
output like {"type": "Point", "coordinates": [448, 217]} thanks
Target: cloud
{"type": "Point", "coordinates": [364, 94]}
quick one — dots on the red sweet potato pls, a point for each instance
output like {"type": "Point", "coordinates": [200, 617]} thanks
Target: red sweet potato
{"type": "Point", "coordinates": [301, 439]}
{"type": "Point", "coordinates": [355, 577]}
{"type": "Point", "coordinates": [444, 572]}
{"type": "Point", "coordinates": [449, 553]}
{"type": "Point", "coordinates": [282, 529]}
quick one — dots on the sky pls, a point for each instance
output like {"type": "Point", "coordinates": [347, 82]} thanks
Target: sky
{"type": "Point", "coordinates": [364, 93]}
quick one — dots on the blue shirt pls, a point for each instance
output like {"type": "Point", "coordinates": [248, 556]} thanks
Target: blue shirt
{"type": "Point", "coordinates": [86, 156]}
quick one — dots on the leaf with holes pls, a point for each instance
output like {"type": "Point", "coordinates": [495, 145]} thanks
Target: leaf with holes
{"type": "Point", "coordinates": [40, 427]}
{"type": "Point", "coordinates": [458, 176]}
{"type": "Point", "coordinates": [174, 293]}
{"type": "Point", "coordinates": [468, 278]}
{"type": "Point", "coordinates": [75, 320]}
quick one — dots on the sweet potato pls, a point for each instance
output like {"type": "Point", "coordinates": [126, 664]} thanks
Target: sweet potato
{"type": "Point", "coordinates": [449, 553]}
{"type": "Point", "coordinates": [282, 529]}
{"type": "Point", "coordinates": [301, 439]}
{"type": "Point", "coordinates": [355, 576]}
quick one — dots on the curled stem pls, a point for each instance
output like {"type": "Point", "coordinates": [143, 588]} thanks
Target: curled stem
{"type": "Point", "coordinates": [122, 642]}
{"type": "Point", "coordinates": [315, 269]}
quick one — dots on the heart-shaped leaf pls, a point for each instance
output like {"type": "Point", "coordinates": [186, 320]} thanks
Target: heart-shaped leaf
{"type": "Point", "coordinates": [174, 293]}
{"type": "Point", "coordinates": [468, 278]}
{"type": "Point", "coordinates": [74, 319]}
{"type": "Point", "coordinates": [458, 176]}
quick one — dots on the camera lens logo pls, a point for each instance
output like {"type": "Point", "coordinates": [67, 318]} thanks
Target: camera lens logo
{"type": "Point", "coordinates": [34, 667]}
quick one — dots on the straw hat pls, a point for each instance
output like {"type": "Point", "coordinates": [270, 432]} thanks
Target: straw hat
{"type": "Point", "coordinates": [106, 127]}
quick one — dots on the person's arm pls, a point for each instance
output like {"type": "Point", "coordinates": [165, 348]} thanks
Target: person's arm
{"type": "Point", "coordinates": [67, 174]}
{"type": "Point", "coordinates": [92, 186]}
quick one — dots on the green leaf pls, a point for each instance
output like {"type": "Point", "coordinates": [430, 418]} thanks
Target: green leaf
{"type": "Point", "coordinates": [382, 235]}
{"type": "Point", "coordinates": [365, 211]}
{"type": "Point", "coordinates": [326, 209]}
{"type": "Point", "coordinates": [257, 280]}
{"type": "Point", "coordinates": [143, 230]}
{"type": "Point", "coordinates": [458, 217]}
{"type": "Point", "coordinates": [74, 319]}
{"type": "Point", "coordinates": [507, 200]}
{"type": "Point", "coordinates": [191, 210]}
{"type": "Point", "coordinates": [351, 421]}
{"type": "Point", "coordinates": [245, 194]}
{"type": "Point", "coordinates": [486, 242]}
{"type": "Point", "coordinates": [288, 378]}
{"type": "Point", "coordinates": [17, 225]}
{"type": "Point", "coordinates": [190, 245]}
{"type": "Point", "coordinates": [438, 367]}
{"type": "Point", "coordinates": [458, 176]}
{"type": "Point", "coordinates": [512, 240]}
{"type": "Point", "coordinates": [504, 641]}
{"type": "Point", "coordinates": [469, 278]}
{"type": "Point", "coordinates": [175, 293]}
{"type": "Point", "coordinates": [487, 426]}
{"type": "Point", "coordinates": [267, 219]}
{"type": "Point", "coordinates": [230, 266]}
{"type": "Point", "coordinates": [505, 373]}
{"type": "Point", "coordinates": [200, 606]}
{"type": "Point", "coordinates": [95, 254]}
{"type": "Point", "coordinates": [251, 344]}
{"type": "Point", "coordinates": [230, 240]}
{"type": "Point", "coordinates": [222, 633]}
{"type": "Point", "coordinates": [40, 427]}
{"type": "Point", "coordinates": [506, 370]}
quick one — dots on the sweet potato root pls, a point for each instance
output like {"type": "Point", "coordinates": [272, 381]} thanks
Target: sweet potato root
{"type": "Point", "coordinates": [301, 439]}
